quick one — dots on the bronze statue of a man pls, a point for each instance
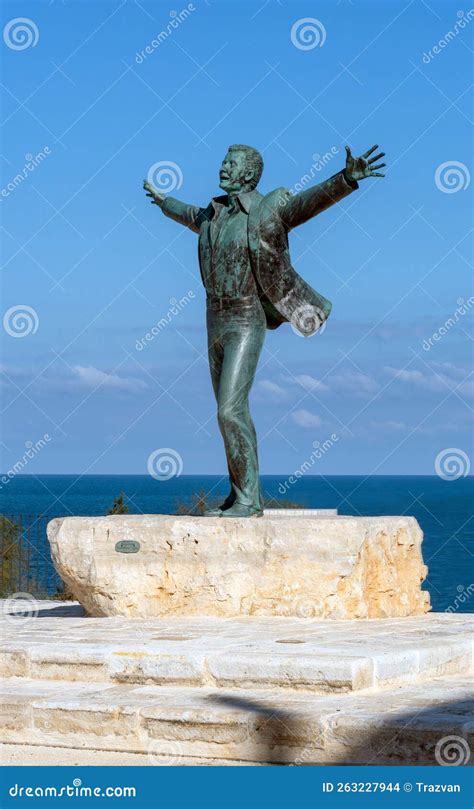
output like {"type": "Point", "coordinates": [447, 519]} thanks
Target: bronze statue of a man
{"type": "Point", "coordinates": [251, 286]}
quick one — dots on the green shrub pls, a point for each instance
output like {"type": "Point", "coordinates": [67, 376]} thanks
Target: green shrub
{"type": "Point", "coordinates": [119, 505]}
{"type": "Point", "coordinates": [200, 502]}
{"type": "Point", "coordinates": [10, 545]}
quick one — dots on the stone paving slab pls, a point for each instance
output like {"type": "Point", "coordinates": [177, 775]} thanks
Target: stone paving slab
{"type": "Point", "coordinates": [284, 653]}
{"type": "Point", "coordinates": [402, 725]}
{"type": "Point", "coordinates": [24, 755]}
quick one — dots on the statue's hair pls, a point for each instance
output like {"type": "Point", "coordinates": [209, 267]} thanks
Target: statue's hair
{"type": "Point", "coordinates": [253, 158]}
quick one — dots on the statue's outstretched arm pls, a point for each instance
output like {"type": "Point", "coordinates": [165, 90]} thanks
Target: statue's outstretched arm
{"type": "Point", "coordinates": [187, 215]}
{"type": "Point", "coordinates": [298, 208]}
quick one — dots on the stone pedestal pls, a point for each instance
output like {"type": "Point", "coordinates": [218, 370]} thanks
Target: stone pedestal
{"type": "Point", "coordinates": [301, 566]}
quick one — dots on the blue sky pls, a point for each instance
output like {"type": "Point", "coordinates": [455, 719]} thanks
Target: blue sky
{"type": "Point", "coordinates": [98, 265]}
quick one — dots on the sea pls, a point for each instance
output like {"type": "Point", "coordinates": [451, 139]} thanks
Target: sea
{"type": "Point", "coordinates": [443, 508]}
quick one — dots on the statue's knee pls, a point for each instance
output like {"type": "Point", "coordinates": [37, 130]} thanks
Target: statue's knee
{"type": "Point", "coordinates": [227, 416]}
{"type": "Point", "coordinates": [223, 417]}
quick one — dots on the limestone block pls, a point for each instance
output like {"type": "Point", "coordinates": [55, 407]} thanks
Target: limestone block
{"type": "Point", "coordinates": [302, 566]}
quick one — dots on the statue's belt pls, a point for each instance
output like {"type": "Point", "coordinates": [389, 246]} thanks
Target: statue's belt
{"type": "Point", "coordinates": [218, 304]}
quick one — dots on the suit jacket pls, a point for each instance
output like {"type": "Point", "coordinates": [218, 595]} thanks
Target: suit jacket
{"type": "Point", "coordinates": [285, 296]}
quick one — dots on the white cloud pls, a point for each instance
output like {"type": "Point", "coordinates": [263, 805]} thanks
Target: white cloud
{"type": "Point", "coordinates": [303, 418]}
{"type": "Point", "coordinates": [451, 370]}
{"type": "Point", "coordinates": [273, 388]}
{"type": "Point", "coordinates": [351, 382]}
{"type": "Point", "coordinates": [404, 375]}
{"type": "Point", "coordinates": [354, 382]}
{"type": "Point", "coordinates": [449, 377]}
{"type": "Point", "coordinates": [391, 426]}
{"type": "Point", "coordinates": [90, 377]}
{"type": "Point", "coordinates": [310, 383]}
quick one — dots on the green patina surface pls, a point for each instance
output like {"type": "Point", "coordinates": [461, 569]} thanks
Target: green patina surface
{"type": "Point", "coordinates": [251, 285]}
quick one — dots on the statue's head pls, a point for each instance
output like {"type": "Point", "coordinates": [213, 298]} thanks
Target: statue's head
{"type": "Point", "coordinates": [241, 169]}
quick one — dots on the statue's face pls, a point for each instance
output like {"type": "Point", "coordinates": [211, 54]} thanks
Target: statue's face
{"type": "Point", "coordinates": [234, 174]}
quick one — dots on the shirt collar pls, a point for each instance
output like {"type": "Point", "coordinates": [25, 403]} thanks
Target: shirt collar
{"type": "Point", "coordinates": [245, 200]}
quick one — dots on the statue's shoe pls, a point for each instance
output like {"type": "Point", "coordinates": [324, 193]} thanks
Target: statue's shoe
{"type": "Point", "coordinates": [239, 510]}
{"type": "Point", "coordinates": [217, 512]}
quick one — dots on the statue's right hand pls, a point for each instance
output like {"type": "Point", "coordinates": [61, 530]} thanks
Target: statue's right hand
{"type": "Point", "coordinates": [157, 198]}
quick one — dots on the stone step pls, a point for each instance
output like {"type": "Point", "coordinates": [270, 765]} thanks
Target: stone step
{"type": "Point", "coordinates": [282, 653]}
{"type": "Point", "coordinates": [170, 725]}
{"type": "Point", "coordinates": [24, 755]}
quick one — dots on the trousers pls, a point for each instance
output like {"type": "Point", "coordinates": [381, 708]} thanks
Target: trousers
{"type": "Point", "coordinates": [236, 331]}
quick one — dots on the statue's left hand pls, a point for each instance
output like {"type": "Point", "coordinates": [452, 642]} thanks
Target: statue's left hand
{"type": "Point", "coordinates": [358, 168]}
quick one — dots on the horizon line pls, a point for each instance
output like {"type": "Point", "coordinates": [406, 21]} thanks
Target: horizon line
{"type": "Point", "coordinates": [218, 475]}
